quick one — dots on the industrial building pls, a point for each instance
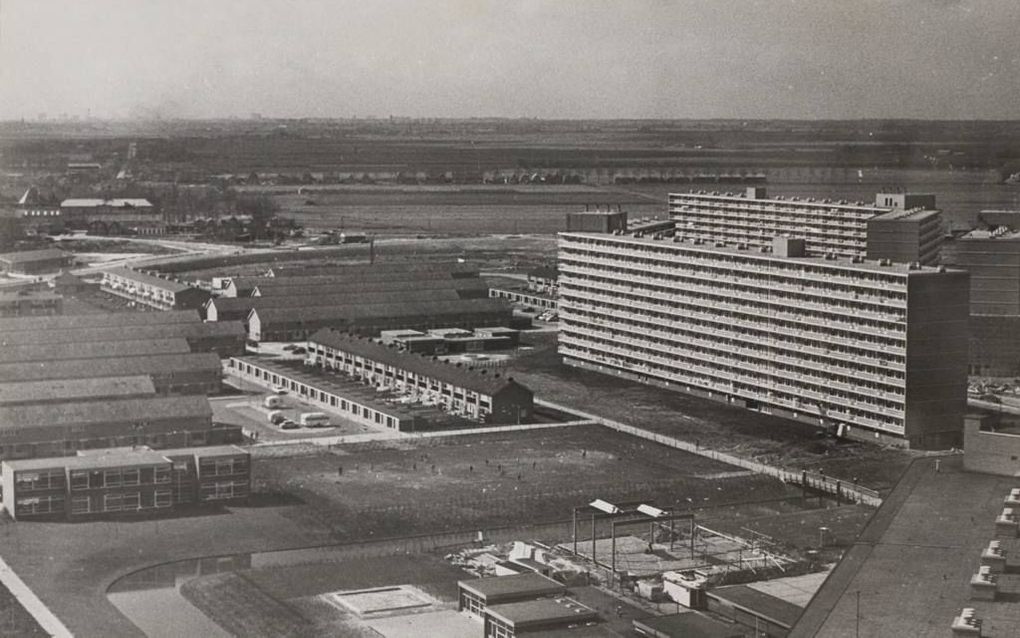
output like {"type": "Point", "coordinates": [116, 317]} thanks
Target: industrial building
{"type": "Point", "coordinates": [30, 303]}
{"type": "Point", "coordinates": [225, 338]}
{"type": "Point", "coordinates": [836, 227]}
{"type": "Point", "coordinates": [124, 482]}
{"type": "Point", "coordinates": [39, 352]}
{"type": "Point", "coordinates": [35, 262]}
{"type": "Point", "coordinates": [150, 290]}
{"type": "Point", "coordinates": [491, 398]}
{"type": "Point", "coordinates": [57, 429]}
{"type": "Point", "coordinates": [27, 392]}
{"type": "Point", "coordinates": [871, 350]}
{"type": "Point", "coordinates": [294, 324]}
{"type": "Point", "coordinates": [112, 216]}
{"type": "Point", "coordinates": [191, 373]}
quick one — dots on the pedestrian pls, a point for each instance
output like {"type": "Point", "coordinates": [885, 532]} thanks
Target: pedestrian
{"type": "Point", "coordinates": [938, 465]}
{"type": "Point", "coordinates": [471, 468]}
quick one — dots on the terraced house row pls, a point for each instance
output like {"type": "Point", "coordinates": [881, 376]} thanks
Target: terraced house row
{"type": "Point", "coordinates": [870, 349]}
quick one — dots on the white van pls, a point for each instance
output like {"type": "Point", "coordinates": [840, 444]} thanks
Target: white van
{"type": "Point", "coordinates": [273, 401]}
{"type": "Point", "coordinates": [314, 420]}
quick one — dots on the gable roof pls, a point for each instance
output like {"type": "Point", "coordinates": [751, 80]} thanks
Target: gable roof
{"type": "Point", "coordinates": [113, 410]}
{"type": "Point", "coordinates": [34, 255]}
{"type": "Point", "coordinates": [459, 376]}
{"type": "Point", "coordinates": [55, 391]}
{"type": "Point", "coordinates": [159, 364]}
{"type": "Point", "coordinates": [98, 320]}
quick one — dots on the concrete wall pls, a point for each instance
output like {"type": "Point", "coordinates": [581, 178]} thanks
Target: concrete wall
{"type": "Point", "coordinates": [987, 451]}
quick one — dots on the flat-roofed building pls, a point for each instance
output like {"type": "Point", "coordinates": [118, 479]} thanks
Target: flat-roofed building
{"type": "Point", "coordinates": [225, 338]}
{"type": "Point", "coordinates": [35, 262]}
{"type": "Point", "coordinates": [491, 398]}
{"type": "Point", "coordinates": [30, 303]}
{"type": "Point", "coordinates": [191, 373]}
{"type": "Point", "coordinates": [536, 617]}
{"type": "Point", "coordinates": [93, 350]}
{"type": "Point", "coordinates": [25, 392]}
{"type": "Point", "coordinates": [543, 279]}
{"type": "Point", "coordinates": [906, 236]}
{"type": "Point", "coordinates": [872, 350]}
{"type": "Point", "coordinates": [687, 625]}
{"type": "Point", "coordinates": [836, 227]}
{"type": "Point", "coordinates": [125, 481]}
{"type": "Point", "coordinates": [478, 594]}
{"type": "Point", "coordinates": [150, 290]}
{"type": "Point", "coordinates": [293, 324]}
{"type": "Point", "coordinates": [58, 429]}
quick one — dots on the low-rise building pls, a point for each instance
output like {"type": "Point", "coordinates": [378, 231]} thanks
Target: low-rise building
{"type": "Point", "coordinates": [153, 291]}
{"type": "Point", "coordinates": [35, 262]}
{"type": "Point", "coordinates": [537, 617]}
{"type": "Point", "coordinates": [544, 279]}
{"type": "Point", "coordinates": [122, 481]}
{"type": "Point", "coordinates": [476, 596]}
{"type": "Point", "coordinates": [490, 398]}
{"type": "Point", "coordinates": [30, 303]}
{"type": "Point", "coordinates": [8, 326]}
{"type": "Point", "coordinates": [40, 352]}
{"type": "Point", "coordinates": [64, 390]}
{"type": "Point", "coordinates": [225, 338]}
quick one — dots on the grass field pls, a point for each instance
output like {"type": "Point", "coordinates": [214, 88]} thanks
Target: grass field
{"type": "Point", "coordinates": [714, 425]}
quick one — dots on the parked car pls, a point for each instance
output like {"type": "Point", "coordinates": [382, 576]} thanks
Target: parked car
{"type": "Point", "coordinates": [299, 350]}
{"type": "Point", "coordinates": [288, 424]}
{"type": "Point", "coordinates": [279, 389]}
{"type": "Point", "coordinates": [276, 418]}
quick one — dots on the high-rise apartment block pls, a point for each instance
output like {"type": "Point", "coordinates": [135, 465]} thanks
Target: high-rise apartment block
{"type": "Point", "coordinates": [874, 350]}
{"type": "Point", "coordinates": [880, 231]}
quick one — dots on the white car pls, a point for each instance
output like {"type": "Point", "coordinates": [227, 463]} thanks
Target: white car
{"type": "Point", "coordinates": [279, 389]}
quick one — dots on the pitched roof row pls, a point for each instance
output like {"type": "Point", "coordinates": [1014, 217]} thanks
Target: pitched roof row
{"type": "Point", "coordinates": [93, 350]}
{"type": "Point", "coordinates": [103, 320]}
{"type": "Point", "coordinates": [110, 367]}
{"type": "Point", "coordinates": [188, 331]}
{"type": "Point", "coordinates": [112, 410]}
{"type": "Point", "coordinates": [354, 312]}
{"type": "Point", "coordinates": [456, 375]}
{"type": "Point", "coordinates": [55, 391]}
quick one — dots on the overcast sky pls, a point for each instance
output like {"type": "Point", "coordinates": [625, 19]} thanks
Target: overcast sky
{"type": "Point", "coordinates": [548, 58]}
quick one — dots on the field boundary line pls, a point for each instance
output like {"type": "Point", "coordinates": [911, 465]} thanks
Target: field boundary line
{"type": "Point", "coordinates": [856, 493]}
{"type": "Point", "coordinates": [27, 598]}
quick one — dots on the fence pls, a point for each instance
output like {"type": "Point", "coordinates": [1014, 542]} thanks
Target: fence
{"type": "Point", "coordinates": [811, 480]}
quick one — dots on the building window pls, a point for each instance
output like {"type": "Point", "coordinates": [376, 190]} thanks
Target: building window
{"type": "Point", "coordinates": [132, 501]}
{"type": "Point", "coordinates": [131, 477]}
{"type": "Point", "coordinates": [112, 502]}
{"type": "Point", "coordinates": [162, 475]}
{"type": "Point", "coordinates": [112, 478]}
{"type": "Point", "coordinates": [163, 498]}
{"type": "Point", "coordinates": [79, 480]}
{"type": "Point", "coordinates": [81, 505]}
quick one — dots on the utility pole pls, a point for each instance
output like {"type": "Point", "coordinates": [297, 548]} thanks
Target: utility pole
{"type": "Point", "coordinates": [858, 630]}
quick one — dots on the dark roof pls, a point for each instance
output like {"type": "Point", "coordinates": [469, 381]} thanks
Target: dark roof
{"type": "Point", "coordinates": [544, 272]}
{"type": "Point", "coordinates": [689, 625]}
{"type": "Point", "coordinates": [449, 373]}
{"type": "Point", "coordinates": [14, 295]}
{"type": "Point", "coordinates": [119, 333]}
{"type": "Point", "coordinates": [389, 268]}
{"type": "Point", "coordinates": [100, 320]}
{"type": "Point", "coordinates": [112, 367]}
{"type": "Point", "coordinates": [542, 610]}
{"type": "Point", "coordinates": [114, 410]}
{"type": "Point", "coordinates": [150, 280]}
{"type": "Point", "coordinates": [765, 605]}
{"type": "Point", "coordinates": [92, 350]}
{"type": "Point", "coordinates": [354, 312]}
{"type": "Point", "coordinates": [527, 584]}
{"type": "Point", "coordinates": [70, 389]}
{"type": "Point", "coordinates": [329, 298]}
{"type": "Point", "coordinates": [277, 287]}
{"type": "Point", "coordinates": [34, 255]}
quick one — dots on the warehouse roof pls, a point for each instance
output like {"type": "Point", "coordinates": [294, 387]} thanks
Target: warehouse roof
{"type": "Point", "coordinates": [147, 279]}
{"type": "Point", "coordinates": [187, 331]}
{"type": "Point", "coordinates": [110, 367]}
{"type": "Point", "coordinates": [92, 350]}
{"type": "Point", "coordinates": [71, 389]}
{"type": "Point", "coordinates": [515, 585]}
{"type": "Point", "coordinates": [114, 410]}
{"type": "Point", "coordinates": [25, 256]}
{"type": "Point", "coordinates": [354, 311]}
{"type": "Point", "coordinates": [449, 373]}
{"type": "Point", "coordinates": [100, 320]}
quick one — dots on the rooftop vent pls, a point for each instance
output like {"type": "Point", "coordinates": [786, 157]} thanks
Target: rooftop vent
{"type": "Point", "coordinates": [914, 266]}
{"type": "Point", "coordinates": [885, 262]}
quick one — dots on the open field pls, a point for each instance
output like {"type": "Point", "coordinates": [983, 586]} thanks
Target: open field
{"type": "Point", "coordinates": [714, 425]}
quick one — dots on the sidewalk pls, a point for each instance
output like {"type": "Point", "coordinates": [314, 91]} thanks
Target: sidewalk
{"type": "Point", "coordinates": [50, 623]}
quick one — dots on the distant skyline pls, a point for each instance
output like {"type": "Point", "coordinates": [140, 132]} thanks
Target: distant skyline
{"type": "Point", "coordinates": [558, 59]}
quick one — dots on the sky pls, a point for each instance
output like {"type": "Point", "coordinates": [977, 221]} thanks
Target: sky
{"type": "Point", "coordinates": [577, 59]}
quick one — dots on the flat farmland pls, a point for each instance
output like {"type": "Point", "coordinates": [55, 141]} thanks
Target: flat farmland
{"type": "Point", "coordinates": [400, 487]}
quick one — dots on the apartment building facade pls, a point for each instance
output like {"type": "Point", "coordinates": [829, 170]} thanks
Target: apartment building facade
{"type": "Point", "coordinates": [840, 227]}
{"type": "Point", "coordinates": [870, 350]}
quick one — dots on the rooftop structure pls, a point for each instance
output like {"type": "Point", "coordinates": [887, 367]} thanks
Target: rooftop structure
{"type": "Point", "coordinates": [839, 228]}
{"type": "Point", "coordinates": [75, 389]}
{"type": "Point", "coordinates": [597, 221]}
{"type": "Point", "coordinates": [872, 350]}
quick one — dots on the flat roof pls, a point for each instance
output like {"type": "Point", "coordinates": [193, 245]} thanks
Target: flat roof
{"type": "Point", "coordinates": [760, 603]}
{"type": "Point", "coordinates": [111, 410]}
{"type": "Point", "coordinates": [839, 263]}
{"type": "Point", "coordinates": [930, 530]}
{"type": "Point", "coordinates": [113, 457]}
{"type": "Point", "coordinates": [91, 350]}
{"type": "Point", "coordinates": [689, 625]}
{"type": "Point", "coordinates": [785, 201]}
{"type": "Point", "coordinates": [71, 389]}
{"type": "Point", "coordinates": [912, 214]}
{"type": "Point", "coordinates": [526, 584]}
{"type": "Point", "coordinates": [147, 279]}
{"type": "Point", "coordinates": [332, 285]}
{"type": "Point", "coordinates": [354, 311]}
{"type": "Point", "coordinates": [119, 202]}
{"type": "Point", "coordinates": [542, 610]}
{"type": "Point", "coordinates": [1002, 233]}
{"type": "Point", "coordinates": [459, 376]}
{"type": "Point", "coordinates": [98, 320]}
{"type": "Point", "coordinates": [23, 256]}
